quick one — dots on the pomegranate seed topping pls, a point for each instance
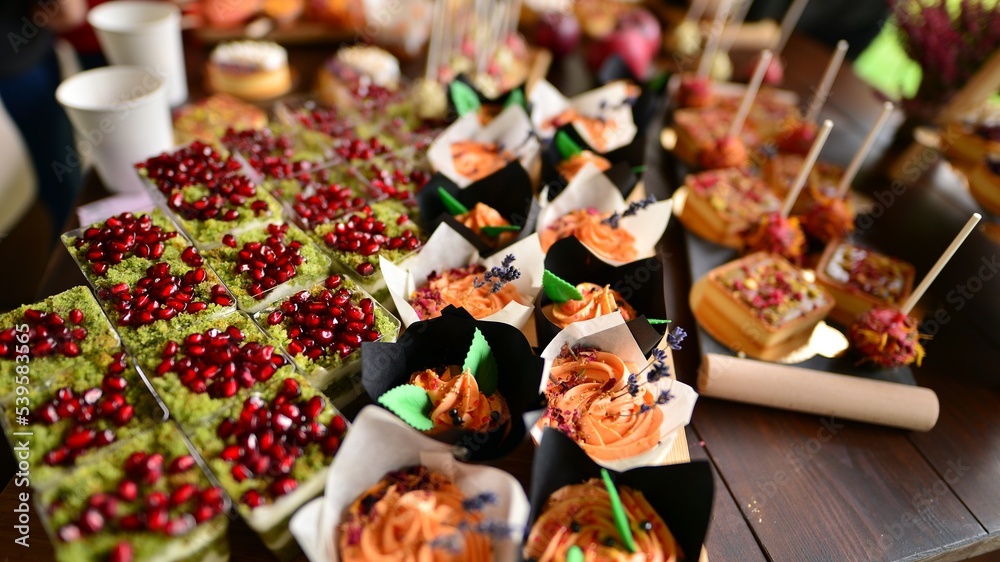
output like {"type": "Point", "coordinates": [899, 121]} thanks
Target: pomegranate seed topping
{"type": "Point", "coordinates": [203, 513]}
{"type": "Point", "coordinates": [157, 518]}
{"type": "Point", "coordinates": [283, 486]}
{"type": "Point", "coordinates": [181, 464]}
{"type": "Point", "coordinates": [69, 533]}
{"type": "Point", "coordinates": [157, 499]}
{"type": "Point", "coordinates": [121, 552]}
{"type": "Point", "coordinates": [252, 498]}
{"type": "Point", "coordinates": [365, 269]}
{"type": "Point", "coordinates": [120, 237]}
{"type": "Point", "coordinates": [182, 494]}
{"type": "Point", "coordinates": [128, 490]}
{"type": "Point", "coordinates": [91, 521]}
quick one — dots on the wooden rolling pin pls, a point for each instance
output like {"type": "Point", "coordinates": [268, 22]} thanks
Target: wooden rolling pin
{"type": "Point", "coordinates": [814, 392]}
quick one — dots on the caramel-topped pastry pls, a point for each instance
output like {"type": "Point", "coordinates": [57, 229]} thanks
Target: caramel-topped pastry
{"type": "Point", "coordinates": [722, 204]}
{"type": "Point", "coordinates": [760, 304]}
{"type": "Point", "coordinates": [860, 279]}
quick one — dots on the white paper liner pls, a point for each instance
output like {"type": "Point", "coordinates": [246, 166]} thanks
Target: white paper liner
{"type": "Point", "coordinates": [379, 442]}
{"type": "Point", "coordinates": [609, 102]}
{"type": "Point", "coordinates": [447, 249]}
{"type": "Point", "coordinates": [609, 333]}
{"type": "Point", "coordinates": [592, 189]}
{"type": "Point", "coordinates": [510, 129]}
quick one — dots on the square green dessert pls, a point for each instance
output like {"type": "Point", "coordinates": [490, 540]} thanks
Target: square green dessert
{"type": "Point", "coordinates": [283, 157]}
{"type": "Point", "coordinates": [322, 329]}
{"type": "Point", "coordinates": [321, 203]}
{"type": "Point", "coordinates": [145, 500]}
{"type": "Point", "coordinates": [155, 305]}
{"type": "Point", "coordinates": [73, 421]}
{"type": "Point", "coordinates": [263, 265]}
{"type": "Point", "coordinates": [204, 366]}
{"type": "Point", "coordinates": [289, 189]}
{"type": "Point", "coordinates": [271, 452]}
{"type": "Point", "coordinates": [122, 247]}
{"type": "Point", "coordinates": [357, 240]}
{"type": "Point", "coordinates": [43, 340]}
{"type": "Point", "coordinates": [398, 175]}
{"type": "Point", "coordinates": [208, 193]}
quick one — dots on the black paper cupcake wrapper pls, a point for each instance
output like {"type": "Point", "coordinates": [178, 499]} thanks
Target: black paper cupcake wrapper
{"type": "Point", "coordinates": [681, 494]}
{"type": "Point", "coordinates": [640, 283]}
{"type": "Point", "coordinates": [444, 341]}
{"type": "Point", "coordinates": [507, 190]}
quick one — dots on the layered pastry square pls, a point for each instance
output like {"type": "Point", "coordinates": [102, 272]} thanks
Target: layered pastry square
{"type": "Point", "coordinates": [860, 279]}
{"type": "Point", "coordinates": [721, 204]}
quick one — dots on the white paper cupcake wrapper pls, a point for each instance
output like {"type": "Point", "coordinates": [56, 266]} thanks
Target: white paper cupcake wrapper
{"type": "Point", "coordinates": [447, 249]}
{"type": "Point", "coordinates": [379, 442]}
{"type": "Point", "coordinates": [609, 333]}
{"type": "Point", "coordinates": [608, 102]}
{"type": "Point", "coordinates": [510, 129]}
{"type": "Point", "coordinates": [592, 189]}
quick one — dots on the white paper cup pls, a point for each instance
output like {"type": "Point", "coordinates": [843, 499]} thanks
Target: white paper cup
{"type": "Point", "coordinates": [146, 34]}
{"type": "Point", "coordinates": [121, 116]}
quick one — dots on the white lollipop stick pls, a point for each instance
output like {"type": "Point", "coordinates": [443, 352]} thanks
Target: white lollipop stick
{"type": "Point", "coordinates": [788, 24]}
{"type": "Point", "coordinates": [819, 98]}
{"type": "Point", "coordinates": [758, 76]}
{"type": "Point", "coordinates": [942, 261]}
{"type": "Point", "coordinates": [807, 166]}
{"type": "Point", "coordinates": [862, 153]}
{"type": "Point", "coordinates": [734, 23]}
{"type": "Point", "coordinates": [714, 36]}
{"type": "Point", "coordinates": [696, 10]}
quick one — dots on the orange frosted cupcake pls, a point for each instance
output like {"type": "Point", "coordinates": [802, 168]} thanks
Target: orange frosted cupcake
{"type": "Point", "coordinates": [597, 301]}
{"type": "Point", "coordinates": [595, 230]}
{"type": "Point", "coordinates": [476, 160]}
{"type": "Point", "coordinates": [594, 398]}
{"type": "Point", "coordinates": [600, 131]}
{"type": "Point", "coordinates": [581, 515]}
{"type": "Point", "coordinates": [413, 514]}
{"type": "Point", "coordinates": [463, 287]}
{"type": "Point", "coordinates": [571, 166]}
{"type": "Point", "coordinates": [457, 402]}
{"type": "Point", "coordinates": [482, 215]}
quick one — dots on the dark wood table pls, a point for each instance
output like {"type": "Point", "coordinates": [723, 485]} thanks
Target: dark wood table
{"type": "Point", "coordinates": [793, 487]}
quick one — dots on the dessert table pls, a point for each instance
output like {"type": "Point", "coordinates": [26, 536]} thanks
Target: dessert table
{"type": "Point", "coordinates": [793, 486]}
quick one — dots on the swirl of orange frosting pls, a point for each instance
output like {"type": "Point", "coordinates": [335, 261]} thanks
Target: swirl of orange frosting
{"type": "Point", "coordinates": [483, 215]}
{"type": "Point", "coordinates": [586, 224]}
{"type": "Point", "coordinates": [457, 288]}
{"type": "Point", "coordinates": [457, 402]}
{"type": "Point", "coordinates": [597, 301]}
{"type": "Point", "coordinates": [410, 516]}
{"type": "Point", "coordinates": [600, 131]}
{"type": "Point", "coordinates": [476, 160]}
{"type": "Point", "coordinates": [571, 166]}
{"type": "Point", "coordinates": [589, 401]}
{"type": "Point", "coordinates": [581, 515]}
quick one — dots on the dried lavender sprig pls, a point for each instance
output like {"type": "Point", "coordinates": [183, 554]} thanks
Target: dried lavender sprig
{"type": "Point", "coordinates": [499, 275]}
{"type": "Point", "coordinates": [613, 220]}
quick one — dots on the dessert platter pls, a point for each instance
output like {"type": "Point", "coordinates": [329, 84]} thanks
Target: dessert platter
{"type": "Point", "coordinates": [342, 250]}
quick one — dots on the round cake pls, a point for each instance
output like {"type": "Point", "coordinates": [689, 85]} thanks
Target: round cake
{"type": "Point", "coordinates": [252, 70]}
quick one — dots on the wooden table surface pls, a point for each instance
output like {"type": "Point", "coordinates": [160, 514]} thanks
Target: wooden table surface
{"type": "Point", "coordinates": [794, 487]}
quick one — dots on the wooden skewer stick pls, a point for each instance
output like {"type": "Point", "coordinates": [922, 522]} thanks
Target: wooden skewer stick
{"type": "Point", "coordinates": [788, 24]}
{"type": "Point", "coordinates": [807, 166]}
{"type": "Point", "coordinates": [696, 10]}
{"type": "Point", "coordinates": [758, 76]}
{"type": "Point", "coordinates": [819, 98]}
{"type": "Point", "coordinates": [434, 48]}
{"type": "Point", "coordinates": [714, 37]}
{"type": "Point", "coordinates": [734, 24]}
{"type": "Point", "coordinates": [862, 153]}
{"type": "Point", "coordinates": [942, 261]}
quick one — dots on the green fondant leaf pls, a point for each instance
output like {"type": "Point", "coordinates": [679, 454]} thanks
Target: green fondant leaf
{"type": "Point", "coordinates": [565, 145]}
{"type": "Point", "coordinates": [480, 362]}
{"type": "Point", "coordinates": [466, 99]}
{"type": "Point", "coordinates": [618, 512]}
{"type": "Point", "coordinates": [452, 205]}
{"type": "Point", "coordinates": [411, 403]}
{"type": "Point", "coordinates": [494, 231]}
{"type": "Point", "coordinates": [658, 321]}
{"type": "Point", "coordinates": [516, 97]}
{"type": "Point", "coordinates": [559, 290]}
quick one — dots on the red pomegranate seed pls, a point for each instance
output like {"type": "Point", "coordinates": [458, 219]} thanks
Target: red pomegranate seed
{"type": "Point", "coordinates": [182, 494]}
{"type": "Point", "coordinates": [157, 518]}
{"type": "Point", "coordinates": [121, 552]}
{"type": "Point", "coordinates": [181, 464]}
{"type": "Point", "coordinates": [128, 490]}
{"type": "Point", "coordinates": [91, 521]}
{"type": "Point", "coordinates": [252, 498]}
{"type": "Point", "coordinates": [69, 533]}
